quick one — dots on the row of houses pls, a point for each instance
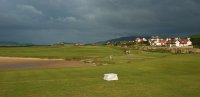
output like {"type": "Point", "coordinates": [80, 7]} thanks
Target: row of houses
{"type": "Point", "coordinates": [170, 42]}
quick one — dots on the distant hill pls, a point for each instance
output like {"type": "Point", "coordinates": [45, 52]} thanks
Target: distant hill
{"type": "Point", "coordinates": [195, 40]}
{"type": "Point", "coordinates": [195, 36]}
{"type": "Point", "coordinates": [8, 43]}
{"type": "Point", "coordinates": [128, 38]}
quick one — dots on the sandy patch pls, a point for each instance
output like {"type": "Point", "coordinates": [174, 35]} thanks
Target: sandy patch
{"type": "Point", "coordinates": [20, 63]}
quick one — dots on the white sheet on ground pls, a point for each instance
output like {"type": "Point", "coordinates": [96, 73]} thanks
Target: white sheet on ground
{"type": "Point", "coordinates": [110, 76]}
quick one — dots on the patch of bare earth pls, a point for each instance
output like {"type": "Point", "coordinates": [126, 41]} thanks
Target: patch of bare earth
{"type": "Point", "coordinates": [22, 63]}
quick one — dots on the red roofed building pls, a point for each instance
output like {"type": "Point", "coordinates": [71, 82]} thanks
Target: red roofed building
{"type": "Point", "coordinates": [185, 42]}
{"type": "Point", "coordinates": [162, 42]}
{"type": "Point", "coordinates": [171, 42]}
{"type": "Point", "coordinates": [179, 42]}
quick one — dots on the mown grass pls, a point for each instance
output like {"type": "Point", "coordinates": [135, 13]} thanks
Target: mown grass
{"type": "Point", "coordinates": [64, 52]}
{"type": "Point", "coordinates": [141, 74]}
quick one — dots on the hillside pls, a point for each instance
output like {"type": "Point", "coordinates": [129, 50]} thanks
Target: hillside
{"type": "Point", "coordinates": [8, 43]}
{"type": "Point", "coordinates": [195, 40]}
{"type": "Point", "coordinates": [195, 36]}
{"type": "Point", "coordinates": [128, 38]}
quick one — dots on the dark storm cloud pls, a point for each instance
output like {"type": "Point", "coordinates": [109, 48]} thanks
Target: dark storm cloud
{"type": "Point", "coordinates": [47, 21]}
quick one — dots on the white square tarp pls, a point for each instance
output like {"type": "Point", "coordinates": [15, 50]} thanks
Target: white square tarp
{"type": "Point", "coordinates": [110, 77]}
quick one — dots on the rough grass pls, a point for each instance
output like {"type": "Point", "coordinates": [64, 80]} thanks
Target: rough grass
{"type": "Point", "coordinates": [141, 74]}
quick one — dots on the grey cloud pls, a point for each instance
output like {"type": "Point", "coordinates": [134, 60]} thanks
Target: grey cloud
{"type": "Point", "coordinates": [29, 8]}
{"type": "Point", "coordinates": [95, 20]}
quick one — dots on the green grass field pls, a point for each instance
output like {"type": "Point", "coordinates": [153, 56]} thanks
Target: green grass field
{"type": "Point", "coordinates": [141, 74]}
{"type": "Point", "coordinates": [67, 52]}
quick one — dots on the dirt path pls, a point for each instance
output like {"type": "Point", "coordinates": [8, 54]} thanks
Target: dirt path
{"type": "Point", "coordinates": [21, 63]}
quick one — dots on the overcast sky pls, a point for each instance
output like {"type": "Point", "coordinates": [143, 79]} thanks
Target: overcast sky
{"type": "Point", "coordinates": [50, 21]}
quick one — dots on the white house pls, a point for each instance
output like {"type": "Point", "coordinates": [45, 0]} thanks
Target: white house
{"type": "Point", "coordinates": [139, 40]}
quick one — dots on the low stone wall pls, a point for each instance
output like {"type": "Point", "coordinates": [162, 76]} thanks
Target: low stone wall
{"type": "Point", "coordinates": [176, 50]}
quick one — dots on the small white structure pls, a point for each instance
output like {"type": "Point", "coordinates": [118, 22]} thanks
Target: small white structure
{"type": "Point", "coordinates": [110, 77]}
{"type": "Point", "coordinates": [139, 40]}
{"type": "Point", "coordinates": [110, 57]}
